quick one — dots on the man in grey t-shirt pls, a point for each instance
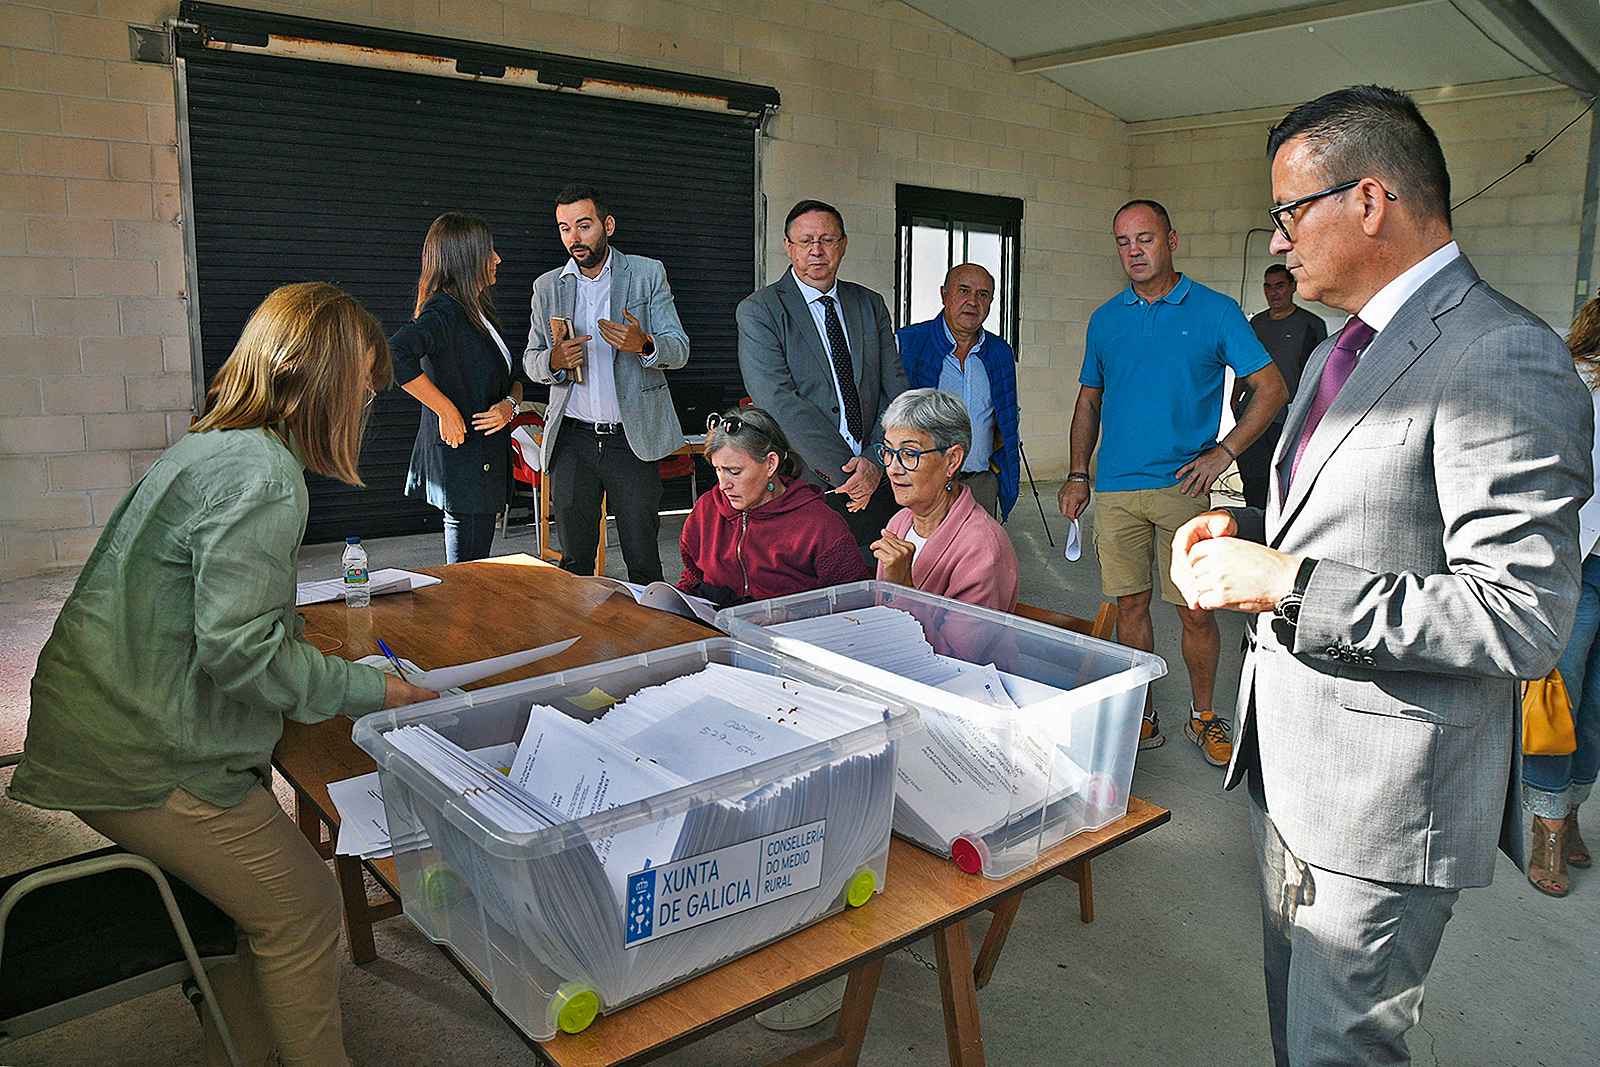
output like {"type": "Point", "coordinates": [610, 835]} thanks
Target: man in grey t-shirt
{"type": "Point", "coordinates": [1290, 334]}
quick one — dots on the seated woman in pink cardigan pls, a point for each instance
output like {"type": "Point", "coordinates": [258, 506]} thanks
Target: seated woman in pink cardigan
{"type": "Point", "coordinates": [940, 541]}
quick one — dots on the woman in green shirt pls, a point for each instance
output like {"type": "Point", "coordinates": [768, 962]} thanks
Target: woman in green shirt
{"type": "Point", "coordinates": [163, 687]}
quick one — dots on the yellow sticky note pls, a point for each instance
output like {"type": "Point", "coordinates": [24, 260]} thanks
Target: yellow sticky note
{"type": "Point", "coordinates": [594, 699]}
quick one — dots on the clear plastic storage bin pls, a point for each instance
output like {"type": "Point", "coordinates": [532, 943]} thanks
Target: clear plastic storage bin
{"type": "Point", "coordinates": [525, 910]}
{"type": "Point", "coordinates": [991, 779]}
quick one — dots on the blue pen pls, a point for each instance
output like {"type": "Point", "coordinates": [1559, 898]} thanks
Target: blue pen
{"type": "Point", "coordinates": [401, 671]}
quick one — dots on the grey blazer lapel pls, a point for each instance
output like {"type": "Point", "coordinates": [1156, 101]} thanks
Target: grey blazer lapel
{"type": "Point", "coordinates": [801, 323]}
{"type": "Point", "coordinates": [621, 283]}
{"type": "Point", "coordinates": [566, 296]}
{"type": "Point", "coordinates": [859, 329]}
{"type": "Point", "coordinates": [1403, 341]}
{"type": "Point", "coordinates": [1289, 438]}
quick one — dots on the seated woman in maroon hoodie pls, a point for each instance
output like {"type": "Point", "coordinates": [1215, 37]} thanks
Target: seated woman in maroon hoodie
{"type": "Point", "coordinates": [763, 532]}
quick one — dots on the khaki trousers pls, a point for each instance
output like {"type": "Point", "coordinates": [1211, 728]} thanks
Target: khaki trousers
{"type": "Point", "coordinates": [255, 864]}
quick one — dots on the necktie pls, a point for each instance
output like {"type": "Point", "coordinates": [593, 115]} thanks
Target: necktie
{"type": "Point", "coordinates": [1355, 336]}
{"type": "Point", "coordinates": [839, 349]}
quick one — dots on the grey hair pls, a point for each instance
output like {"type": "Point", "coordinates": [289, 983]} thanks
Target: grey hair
{"type": "Point", "coordinates": [942, 416]}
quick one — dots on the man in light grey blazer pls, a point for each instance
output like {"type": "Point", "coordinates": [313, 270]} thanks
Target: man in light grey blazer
{"type": "Point", "coordinates": [610, 419]}
{"type": "Point", "coordinates": [790, 355]}
{"type": "Point", "coordinates": [1418, 555]}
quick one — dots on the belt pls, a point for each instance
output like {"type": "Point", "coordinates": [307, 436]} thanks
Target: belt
{"type": "Point", "coordinates": [601, 428]}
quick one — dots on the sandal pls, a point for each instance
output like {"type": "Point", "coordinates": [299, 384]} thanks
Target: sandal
{"type": "Point", "coordinates": [1547, 861]}
{"type": "Point", "coordinates": [1577, 852]}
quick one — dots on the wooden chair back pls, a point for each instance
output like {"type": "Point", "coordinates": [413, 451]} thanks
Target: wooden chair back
{"type": "Point", "coordinates": [1102, 626]}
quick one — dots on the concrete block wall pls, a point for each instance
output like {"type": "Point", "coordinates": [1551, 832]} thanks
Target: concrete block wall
{"type": "Point", "coordinates": [95, 367]}
{"type": "Point", "coordinates": [1522, 235]}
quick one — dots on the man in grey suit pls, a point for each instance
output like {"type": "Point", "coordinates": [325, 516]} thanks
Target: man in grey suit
{"type": "Point", "coordinates": [1418, 554]}
{"type": "Point", "coordinates": [610, 418]}
{"type": "Point", "coordinates": [795, 336]}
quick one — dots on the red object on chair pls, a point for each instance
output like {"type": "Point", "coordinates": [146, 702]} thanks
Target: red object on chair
{"type": "Point", "coordinates": [526, 473]}
{"type": "Point", "coordinates": [681, 465]}
{"type": "Point", "coordinates": [676, 466]}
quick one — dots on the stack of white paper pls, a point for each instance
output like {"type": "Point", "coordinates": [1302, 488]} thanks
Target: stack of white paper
{"type": "Point", "coordinates": [979, 767]}
{"type": "Point", "coordinates": [664, 898]}
{"type": "Point", "coordinates": [388, 580]}
{"type": "Point", "coordinates": [363, 822]}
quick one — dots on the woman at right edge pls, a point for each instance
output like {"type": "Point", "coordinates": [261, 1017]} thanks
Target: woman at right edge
{"type": "Point", "coordinates": [1554, 786]}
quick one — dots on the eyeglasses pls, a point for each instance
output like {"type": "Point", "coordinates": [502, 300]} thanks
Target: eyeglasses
{"type": "Point", "coordinates": [1282, 215]}
{"type": "Point", "coordinates": [824, 243]}
{"type": "Point", "coordinates": [909, 458]}
{"type": "Point", "coordinates": [731, 424]}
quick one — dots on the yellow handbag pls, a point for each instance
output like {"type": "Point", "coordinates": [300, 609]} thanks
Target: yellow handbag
{"type": "Point", "coordinates": [1547, 718]}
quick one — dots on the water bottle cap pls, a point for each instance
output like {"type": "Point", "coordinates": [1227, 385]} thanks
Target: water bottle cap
{"type": "Point", "coordinates": [352, 540]}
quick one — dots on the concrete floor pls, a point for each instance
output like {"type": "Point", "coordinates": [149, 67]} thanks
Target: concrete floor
{"type": "Point", "coordinates": [1168, 973]}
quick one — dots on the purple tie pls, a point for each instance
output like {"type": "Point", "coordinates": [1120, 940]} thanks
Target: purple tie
{"type": "Point", "coordinates": [1355, 336]}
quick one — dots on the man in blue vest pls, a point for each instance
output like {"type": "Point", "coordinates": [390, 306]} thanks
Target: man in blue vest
{"type": "Point", "coordinates": [955, 353]}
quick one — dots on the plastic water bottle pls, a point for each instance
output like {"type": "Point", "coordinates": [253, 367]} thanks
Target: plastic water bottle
{"type": "Point", "coordinates": [357, 594]}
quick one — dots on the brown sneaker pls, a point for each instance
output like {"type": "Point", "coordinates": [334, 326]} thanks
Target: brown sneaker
{"type": "Point", "coordinates": [1213, 735]}
{"type": "Point", "coordinates": [1150, 735]}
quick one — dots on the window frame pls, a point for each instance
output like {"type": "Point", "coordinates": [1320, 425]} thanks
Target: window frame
{"type": "Point", "coordinates": [919, 205]}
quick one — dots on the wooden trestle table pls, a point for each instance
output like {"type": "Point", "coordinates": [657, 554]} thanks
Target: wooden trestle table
{"type": "Point", "coordinates": [496, 606]}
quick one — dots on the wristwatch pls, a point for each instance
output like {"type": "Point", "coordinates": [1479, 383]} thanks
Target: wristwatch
{"type": "Point", "coordinates": [1288, 608]}
{"type": "Point", "coordinates": [648, 349]}
{"type": "Point", "coordinates": [516, 406]}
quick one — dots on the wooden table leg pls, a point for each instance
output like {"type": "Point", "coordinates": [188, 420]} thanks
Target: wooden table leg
{"type": "Point", "coordinates": [953, 953]}
{"type": "Point", "coordinates": [357, 912]}
{"type": "Point", "coordinates": [1079, 872]}
{"type": "Point", "coordinates": [309, 820]}
{"type": "Point", "coordinates": [843, 1049]}
{"type": "Point", "coordinates": [995, 940]}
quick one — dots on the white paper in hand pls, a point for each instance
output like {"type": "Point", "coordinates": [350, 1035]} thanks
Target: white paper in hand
{"type": "Point", "coordinates": [1074, 542]}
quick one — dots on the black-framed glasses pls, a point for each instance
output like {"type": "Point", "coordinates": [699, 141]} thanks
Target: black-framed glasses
{"type": "Point", "coordinates": [731, 424]}
{"type": "Point", "coordinates": [1283, 214]}
{"type": "Point", "coordinates": [909, 457]}
{"type": "Point", "coordinates": [826, 243]}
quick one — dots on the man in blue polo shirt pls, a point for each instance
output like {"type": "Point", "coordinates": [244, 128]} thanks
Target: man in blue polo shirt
{"type": "Point", "coordinates": [953, 352]}
{"type": "Point", "coordinates": [1152, 381]}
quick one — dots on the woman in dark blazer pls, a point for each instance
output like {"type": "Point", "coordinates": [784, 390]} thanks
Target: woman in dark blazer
{"type": "Point", "coordinates": [451, 358]}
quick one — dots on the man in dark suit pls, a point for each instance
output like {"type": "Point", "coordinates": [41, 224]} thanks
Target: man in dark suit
{"type": "Point", "coordinates": [1418, 555]}
{"type": "Point", "coordinates": [795, 338]}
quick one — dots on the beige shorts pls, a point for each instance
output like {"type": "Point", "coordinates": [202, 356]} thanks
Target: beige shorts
{"type": "Point", "coordinates": [1128, 525]}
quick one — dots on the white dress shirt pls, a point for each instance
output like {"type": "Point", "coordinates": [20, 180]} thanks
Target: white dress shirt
{"type": "Point", "coordinates": [595, 398]}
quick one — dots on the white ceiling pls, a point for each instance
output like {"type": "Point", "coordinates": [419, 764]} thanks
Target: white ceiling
{"type": "Point", "coordinates": [1162, 59]}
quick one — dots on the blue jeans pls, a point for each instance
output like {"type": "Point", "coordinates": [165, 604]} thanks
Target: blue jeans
{"type": "Point", "coordinates": [1555, 776]}
{"type": "Point", "coordinates": [468, 536]}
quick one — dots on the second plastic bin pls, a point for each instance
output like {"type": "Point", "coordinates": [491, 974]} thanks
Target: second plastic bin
{"type": "Point", "coordinates": [1001, 785]}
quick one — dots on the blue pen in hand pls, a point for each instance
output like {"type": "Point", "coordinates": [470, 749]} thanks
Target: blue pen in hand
{"type": "Point", "coordinates": [399, 670]}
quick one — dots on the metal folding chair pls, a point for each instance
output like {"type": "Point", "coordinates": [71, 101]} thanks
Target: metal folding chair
{"type": "Point", "coordinates": [99, 929]}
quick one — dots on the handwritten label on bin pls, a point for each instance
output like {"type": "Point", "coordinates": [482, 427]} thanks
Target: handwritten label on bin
{"type": "Point", "coordinates": [713, 885]}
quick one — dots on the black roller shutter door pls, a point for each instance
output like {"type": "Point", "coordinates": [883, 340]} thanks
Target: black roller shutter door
{"type": "Point", "coordinates": [314, 171]}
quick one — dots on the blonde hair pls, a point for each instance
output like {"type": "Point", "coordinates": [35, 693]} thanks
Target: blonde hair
{"type": "Point", "coordinates": [300, 370]}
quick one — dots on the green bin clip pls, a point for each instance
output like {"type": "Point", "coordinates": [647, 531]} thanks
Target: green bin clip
{"type": "Point", "coordinates": [861, 888]}
{"type": "Point", "coordinates": [574, 1007]}
{"type": "Point", "coordinates": [441, 887]}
